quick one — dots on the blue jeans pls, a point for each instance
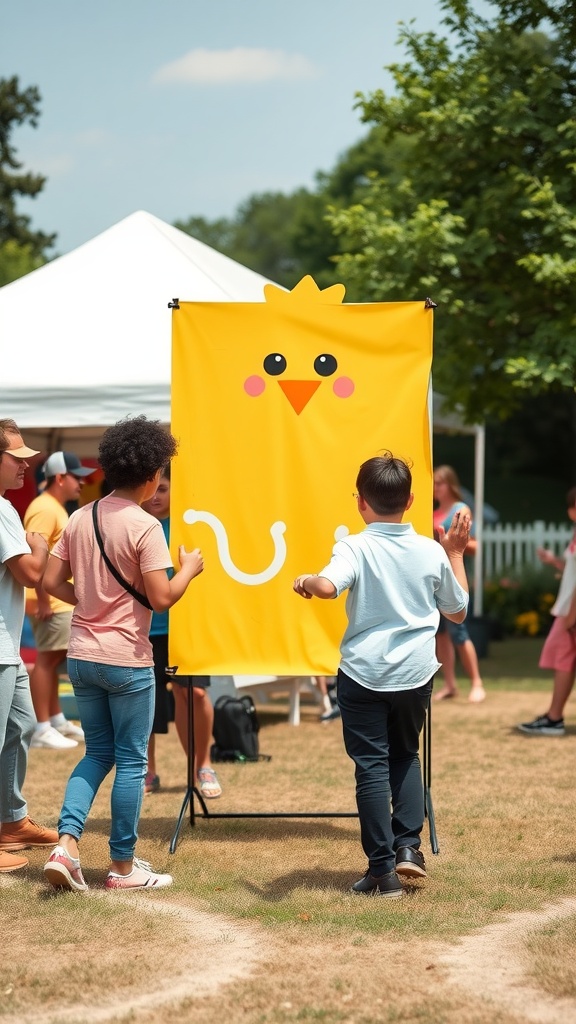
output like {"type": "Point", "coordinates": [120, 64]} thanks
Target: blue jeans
{"type": "Point", "coordinates": [382, 736]}
{"type": "Point", "coordinates": [17, 721]}
{"type": "Point", "coordinates": [116, 708]}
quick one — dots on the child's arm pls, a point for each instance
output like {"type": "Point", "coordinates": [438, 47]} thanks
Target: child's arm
{"type": "Point", "coordinates": [549, 558]}
{"type": "Point", "coordinates": [308, 585]}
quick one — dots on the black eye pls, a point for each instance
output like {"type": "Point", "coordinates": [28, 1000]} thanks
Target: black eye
{"type": "Point", "coordinates": [274, 364]}
{"type": "Point", "coordinates": [325, 365]}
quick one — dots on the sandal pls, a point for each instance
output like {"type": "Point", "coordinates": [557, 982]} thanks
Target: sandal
{"type": "Point", "coordinates": [209, 785]}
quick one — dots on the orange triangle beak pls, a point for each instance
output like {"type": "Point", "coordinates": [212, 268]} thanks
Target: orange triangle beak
{"type": "Point", "coordinates": [299, 392]}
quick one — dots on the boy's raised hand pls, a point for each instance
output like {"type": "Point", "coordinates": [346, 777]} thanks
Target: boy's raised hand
{"type": "Point", "coordinates": [456, 540]}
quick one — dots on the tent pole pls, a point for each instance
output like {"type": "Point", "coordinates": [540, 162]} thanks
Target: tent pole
{"type": "Point", "coordinates": [479, 459]}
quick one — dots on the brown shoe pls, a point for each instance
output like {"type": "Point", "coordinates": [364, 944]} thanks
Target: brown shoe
{"type": "Point", "coordinates": [8, 862]}
{"type": "Point", "coordinates": [18, 835]}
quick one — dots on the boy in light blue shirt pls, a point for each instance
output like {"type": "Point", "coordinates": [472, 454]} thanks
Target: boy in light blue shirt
{"type": "Point", "coordinates": [398, 582]}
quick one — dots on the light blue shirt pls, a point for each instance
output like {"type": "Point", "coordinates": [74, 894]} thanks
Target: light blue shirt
{"type": "Point", "coordinates": [397, 583]}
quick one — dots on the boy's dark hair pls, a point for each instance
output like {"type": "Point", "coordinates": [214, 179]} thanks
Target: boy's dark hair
{"type": "Point", "coordinates": [385, 483]}
{"type": "Point", "coordinates": [571, 497]}
{"type": "Point", "coordinates": [133, 450]}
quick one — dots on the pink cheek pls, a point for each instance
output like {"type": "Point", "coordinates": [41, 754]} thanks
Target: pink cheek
{"type": "Point", "coordinates": [254, 386]}
{"type": "Point", "coordinates": [343, 387]}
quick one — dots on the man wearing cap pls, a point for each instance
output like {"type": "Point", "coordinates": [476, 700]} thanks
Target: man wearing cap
{"type": "Point", "coordinates": [23, 558]}
{"type": "Point", "coordinates": [47, 515]}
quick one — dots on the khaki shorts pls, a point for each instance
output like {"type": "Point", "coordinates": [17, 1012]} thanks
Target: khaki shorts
{"type": "Point", "coordinates": [52, 634]}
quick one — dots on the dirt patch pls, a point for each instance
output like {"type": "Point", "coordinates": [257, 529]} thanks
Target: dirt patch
{"type": "Point", "coordinates": [212, 951]}
{"type": "Point", "coordinates": [492, 965]}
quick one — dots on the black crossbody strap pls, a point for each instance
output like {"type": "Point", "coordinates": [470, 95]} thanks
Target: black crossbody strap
{"type": "Point", "coordinates": [119, 579]}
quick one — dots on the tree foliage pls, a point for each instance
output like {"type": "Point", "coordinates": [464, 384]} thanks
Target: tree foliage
{"type": "Point", "coordinates": [480, 210]}
{"type": "Point", "coordinates": [20, 246]}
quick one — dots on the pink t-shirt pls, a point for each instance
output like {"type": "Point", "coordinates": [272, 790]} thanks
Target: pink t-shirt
{"type": "Point", "coordinates": [108, 625]}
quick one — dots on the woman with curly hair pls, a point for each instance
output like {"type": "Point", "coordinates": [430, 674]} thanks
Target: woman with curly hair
{"type": "Point", "coordinates": [110, 659]}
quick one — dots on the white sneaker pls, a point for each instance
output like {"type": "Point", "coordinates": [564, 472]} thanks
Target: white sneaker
{"type": "Point", "coordinates": [74, 732]}
{"type": "Point", "coordinates": [141, 877]}
{"type": "Point", "coordinates": [51, 739]}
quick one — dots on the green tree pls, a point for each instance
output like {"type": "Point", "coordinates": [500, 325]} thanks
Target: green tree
{"type": "Point", "coordinates": [17, 260]}
{"type": "Point", "coordinates": [480, 211]}
{"type": "Point", "coordinates": [26, 246]}
{"type": "Point", "coordinates": [280, 236]}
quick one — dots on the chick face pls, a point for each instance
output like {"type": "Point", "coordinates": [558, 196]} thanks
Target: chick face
{"type": "Point", "coordinates": [276, 405]}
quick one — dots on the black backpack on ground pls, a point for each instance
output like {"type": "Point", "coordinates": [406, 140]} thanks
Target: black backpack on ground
{"type": "Point", "coordinates": [236, 728]}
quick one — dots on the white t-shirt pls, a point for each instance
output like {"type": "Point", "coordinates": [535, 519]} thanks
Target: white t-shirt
{"type": "Point", "coordinates": [567, 586]}
{"type": "Point", "coordinates": [12, 542]}
{"type": "Point", "coordinates": [397, 582]}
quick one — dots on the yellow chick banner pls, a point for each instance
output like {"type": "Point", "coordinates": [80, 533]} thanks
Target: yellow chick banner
{"type": "Point", "coordinates": [276, 405]}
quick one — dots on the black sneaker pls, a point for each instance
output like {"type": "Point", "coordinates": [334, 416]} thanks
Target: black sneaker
{"type": "Point", "coordinates": [410, 862]}
{"type": "Point", "coordinates": [388, 886]}
{"type": "Point", "coordinates": [329, 716]}
{"type": "Point", "coordinates": [543, 726]}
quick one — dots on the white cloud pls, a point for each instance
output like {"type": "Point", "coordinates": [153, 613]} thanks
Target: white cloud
{"type": "Point", "coordinates": [240, 64]}
{"type": "Point", "coordinates": [94, 138]}
{"type": "Point", "coordinates": [56, 165]}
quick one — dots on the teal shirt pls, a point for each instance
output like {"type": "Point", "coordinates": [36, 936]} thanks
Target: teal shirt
{"type": "Point", "coordinates": [159, 625]}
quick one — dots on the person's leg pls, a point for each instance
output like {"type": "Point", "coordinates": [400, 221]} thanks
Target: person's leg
{"type": "Point", "coordinates": [160, 723]}
{"type": "Point", "coordinates": [365, 727]}
{"type": "Point", "coordinates": [563, 684]}
{"type": "Point", "coordinates": [203, 726]}
{"type": "Point", "coordinates": [458, 632]}
{"type": "Point", "coordinates": [16, 727]}
{"type": "Point", "coordinates": [405, 722]}
{"type": "Point", "coordinates": [44, 685]}
{"type": "Point", "coordinates": [181, 714]}
{"type": "Point", "coordinates": [131, 704]}
{"type": "Point", "coordinates": [322, 684]}
{"type": "Point", "coordinates": [469, 661]}
{"type": "Point", "coordinates": [447, 657]}
{"type": "Point", "coordinates": [98, 760]}
{"type": "Point", "coordinates": [151, 768]}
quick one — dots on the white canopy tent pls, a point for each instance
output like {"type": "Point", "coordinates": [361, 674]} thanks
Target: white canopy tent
{"type": "Point", "coordinates": [87, 338]}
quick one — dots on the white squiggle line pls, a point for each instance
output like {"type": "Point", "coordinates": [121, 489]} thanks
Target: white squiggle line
{"type": "Point", "coordinates": [251, 579]}
{"type": "Point", "coordinates": [340, 532]}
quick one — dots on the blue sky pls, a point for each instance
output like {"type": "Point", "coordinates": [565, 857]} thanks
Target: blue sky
{"type": "Point", "coordinates": [184, 108]}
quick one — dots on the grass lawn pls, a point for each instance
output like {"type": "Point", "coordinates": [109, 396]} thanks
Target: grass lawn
{"type": "Point", "coordinates": [504, 808]}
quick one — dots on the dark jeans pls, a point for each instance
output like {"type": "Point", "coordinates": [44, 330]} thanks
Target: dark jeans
{"type": "Point", "coordinates": [381, 735]}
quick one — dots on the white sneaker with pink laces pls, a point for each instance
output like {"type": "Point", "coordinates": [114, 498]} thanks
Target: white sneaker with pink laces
{"type": "Point", "coordinates": [141, 877]}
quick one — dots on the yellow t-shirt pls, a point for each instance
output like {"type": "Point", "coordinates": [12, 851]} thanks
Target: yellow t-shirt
{"type": "Point", "coordinates": [47, 516]}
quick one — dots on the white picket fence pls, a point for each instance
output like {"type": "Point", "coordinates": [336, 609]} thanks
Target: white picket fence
{"type": "Point", "coordinates": [509, 546]}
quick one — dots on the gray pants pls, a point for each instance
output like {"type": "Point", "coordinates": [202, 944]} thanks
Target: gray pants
{"type": "Point", "coordinates": [17, 721]}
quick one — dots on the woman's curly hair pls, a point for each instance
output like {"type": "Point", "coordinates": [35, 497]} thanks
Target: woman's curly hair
{"type": "Point", "coordinates": [133, 450]}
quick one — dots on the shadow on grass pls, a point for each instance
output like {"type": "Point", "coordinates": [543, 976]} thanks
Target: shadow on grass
{"type": "Point", "coordinates": [314, 878]}
{"type": "Point", "coordinates": [245, 830]}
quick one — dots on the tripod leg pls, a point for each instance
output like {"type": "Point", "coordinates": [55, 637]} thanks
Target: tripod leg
{"type": "Point", "coordinates": [191, 790]}
{"type": "Point", "coordinates": [427, 778]}
{"type": "Point", "coordinates": [187, 800]}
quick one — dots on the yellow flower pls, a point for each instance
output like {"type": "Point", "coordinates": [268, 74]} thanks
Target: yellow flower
{"type": "Point", "coordinates": [528, 623]}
